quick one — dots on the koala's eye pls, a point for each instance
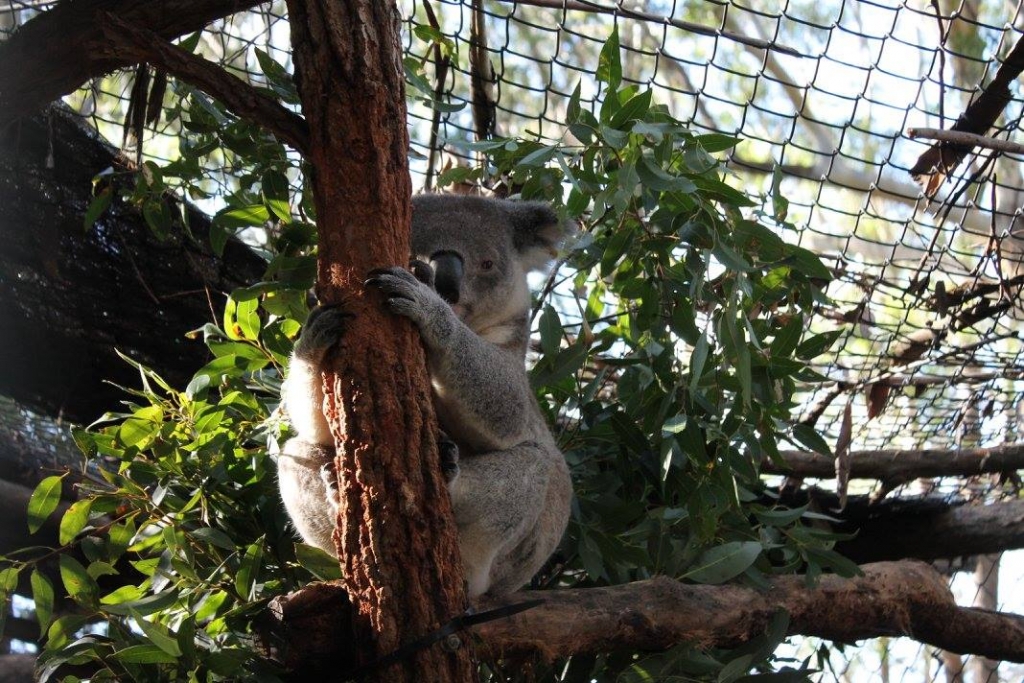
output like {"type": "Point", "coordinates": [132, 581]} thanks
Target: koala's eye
{"type": "Point", "coordinates": [487, 265]}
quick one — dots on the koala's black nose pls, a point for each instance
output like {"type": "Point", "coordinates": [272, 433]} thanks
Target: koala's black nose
{"type": "Point", "coordinates": [447, 267]}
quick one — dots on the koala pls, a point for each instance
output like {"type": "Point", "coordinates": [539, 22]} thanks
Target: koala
{"type": "Point", "coordinates": [467, 294]}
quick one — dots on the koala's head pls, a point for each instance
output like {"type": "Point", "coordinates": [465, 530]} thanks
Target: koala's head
{"type": "Point", "coordinates": [481, 250]}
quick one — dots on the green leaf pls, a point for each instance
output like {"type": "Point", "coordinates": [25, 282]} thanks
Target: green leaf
{"type": "Point", "coordinates": [811, 348]}
{"type": "Point", "coordinates": [609, 64]}
{"type": "Point", "coordinates": [241, 316]}
{"type": "Point", "coordinates": [254, 215]}
{"type": "Point", "coordinates": [141, 428]}
{"type": "Point", "coordinates": [99, 204]}
{"type": "Point", "coordinates": [633, 110]}
{"type": "Point", "coordinates": [278, 77]}
{"type": "Point", "coordinates": [550, 330]}
{"type": "Point", "coordinates": [125, 602]}
{"type": "Point", "coordinates": [276, 195]}
{"type": "Point", "coordinates": [43, 502]}
{"type": "Point", "coordinates": [42, 596]}
{"type": "Point", "coordinates": [724, 562]}
{"type": "Point", "coordinates": [698, 358]}
{"type": "Point", "coordinates": [318, 563]}
{"type": "Point", "coordinates": [80, 586]}
{"type": "Point", "coordinates": [159, 635]}
{"type": "Point", "coordinates": [74, 520]}
{"type": "Point", "coordinates": [214, 537]}
{"type": "Point", "coordinates": [248, 570]}
{"type": "Point", "coordinates": [811, 439]}
{"type": "Point", "coordinates": [144, 654]}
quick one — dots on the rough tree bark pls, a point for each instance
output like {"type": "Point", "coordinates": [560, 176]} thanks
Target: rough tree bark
{"type": "Point", "coordinates": [396, 536]}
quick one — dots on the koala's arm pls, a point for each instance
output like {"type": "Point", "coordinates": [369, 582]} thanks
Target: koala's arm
{"type": "Point", "coordinates": [302, 391]}
{"type": "Point", "coordinates": [483, 394]}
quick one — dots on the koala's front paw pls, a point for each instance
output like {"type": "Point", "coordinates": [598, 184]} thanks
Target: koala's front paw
{"type": "Point", "coordinates": [407, 295]}
{"type": "Point", "coordinates": [329, 476]}
{"type": "Point", "coordinates": [323, 327]}
{"type": "Point", "coordinates": [449, 452]}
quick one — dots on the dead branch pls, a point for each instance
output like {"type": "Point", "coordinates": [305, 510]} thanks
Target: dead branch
{"type": "Point", "coordinates": [138, 44]}
{"type": "Point", "coordinates": [57, 51]}
{"type": "Point", "coordinates": [963, 138]}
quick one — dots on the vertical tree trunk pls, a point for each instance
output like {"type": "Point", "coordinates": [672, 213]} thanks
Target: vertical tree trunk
{"type": "Point", "coordinates": [986, 579]}
{"type": "Point", "coordinates": [397, 540]}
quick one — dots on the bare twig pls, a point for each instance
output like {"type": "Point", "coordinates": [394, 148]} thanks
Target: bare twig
{"type": "Point", "coordinates": [700, 29]}
{"type": "Point", "coordinates": [960, 137]}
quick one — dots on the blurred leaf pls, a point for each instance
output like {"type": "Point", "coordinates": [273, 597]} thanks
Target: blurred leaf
{"type": "Point", "coordinates": [42, 596]}
{"type": "Point", "coordinates": [609, 66]}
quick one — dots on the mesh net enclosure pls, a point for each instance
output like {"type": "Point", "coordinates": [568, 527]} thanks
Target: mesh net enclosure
{"type": "Point", "coordinates": [832, 101]}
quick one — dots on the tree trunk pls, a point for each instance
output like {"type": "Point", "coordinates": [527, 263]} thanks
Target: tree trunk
{"type": "Point", "coordinates": [986, 579]}
{"type": "Point", "coordinates": [396, 539]}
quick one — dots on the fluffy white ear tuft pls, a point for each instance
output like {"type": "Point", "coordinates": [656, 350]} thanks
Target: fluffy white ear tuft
{"type": "Point", "coordinates": [537, 233]}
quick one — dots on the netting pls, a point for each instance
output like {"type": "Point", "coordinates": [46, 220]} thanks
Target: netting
{"type": "Point", "coordinates": [822, 94]}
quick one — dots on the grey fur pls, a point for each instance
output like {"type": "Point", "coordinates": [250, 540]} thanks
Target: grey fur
{"type": "Point", "coordinates": [508, 481]}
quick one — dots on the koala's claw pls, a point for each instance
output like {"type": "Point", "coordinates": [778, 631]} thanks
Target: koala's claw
{"type": "Point", "coordinates": [323, 327]}
{"type": "Point", "coordinates": [329, 475]}
{"type": "Point", "coordinates": [449, 452]}
{"type": "Point", "coordinates": [406, 295]}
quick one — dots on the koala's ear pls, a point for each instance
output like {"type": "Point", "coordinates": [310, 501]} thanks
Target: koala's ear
{"type": "Point", "coordinates": [536, 232]}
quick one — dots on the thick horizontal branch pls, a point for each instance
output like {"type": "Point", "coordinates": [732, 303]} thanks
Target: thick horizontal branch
{"type": "Point", "coordinates": [904, 465]}
{"type": "Point", "coordinates": [138, 44]}
{"type": "Point", "coordinates": [57, 51]}
{"type": "Point", "coordinates": [891, 599]}
{"type": "Point", "coordinates": [930, 534]}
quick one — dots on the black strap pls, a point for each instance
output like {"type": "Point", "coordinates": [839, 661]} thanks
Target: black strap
{"type": "Point", "coordinates": [459, 623]}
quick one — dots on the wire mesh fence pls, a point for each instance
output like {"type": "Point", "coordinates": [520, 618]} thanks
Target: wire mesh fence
{"type": "Point", "coordinates": [823, 95]}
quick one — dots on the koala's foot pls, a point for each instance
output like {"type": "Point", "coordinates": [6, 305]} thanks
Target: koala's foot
{"type": "Point", "coordinates": [323, 327]}
{"type": "Point", "coordinates": [449, 452]}
{"type": "Point", "coordinates": [329, 476]}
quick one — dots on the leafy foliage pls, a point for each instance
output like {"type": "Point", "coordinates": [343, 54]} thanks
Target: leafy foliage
{"type": "Point", "coordinates": [670, 347]}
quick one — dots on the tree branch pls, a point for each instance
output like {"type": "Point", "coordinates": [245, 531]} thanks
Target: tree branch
{"type": "Point", "coordinates": [891, 599]}
{"type": "Point", "coordinates": [57, 51]}
{"type": "Point", "coordinates": [959, 137]}
{"type": "Point", "coordinates": [699, 29]}
{"type": "Point", "coordinates": [918, 529]}
{"type": "Point", "coordinates": [904, 465]}
{"type": "Point", "coordinates": [137, 44]}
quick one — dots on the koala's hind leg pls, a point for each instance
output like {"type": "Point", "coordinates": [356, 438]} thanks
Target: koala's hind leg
{"type": "Point", "coordinates": [307, 481]}
{"type": "Point", "coordinates": [511, 508]}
